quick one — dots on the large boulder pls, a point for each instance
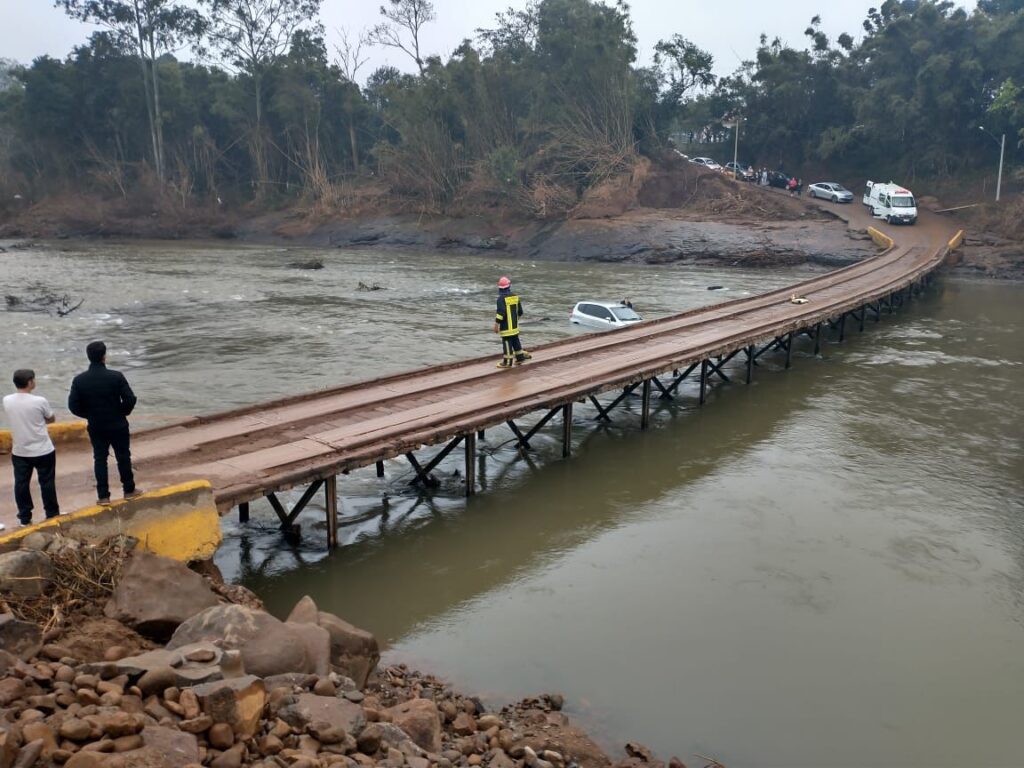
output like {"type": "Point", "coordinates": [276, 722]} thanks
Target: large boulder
{"type": "Point", "coordinates": [354, 651]}
{"type": "Point", "coordinates": [308, 709]}
{"type": "Point", "coordinates": [420, 719]}
{"type": "Point", "coordinates": [156, 594]}
{"type": "Point", "coordinates": [20, 638]}
{"type": "Point", "coordinates": [160, 668]}
{"type": "Point", "coordinates": [25, 573]}
{"type": "Point", "coordinates": [268, 645]}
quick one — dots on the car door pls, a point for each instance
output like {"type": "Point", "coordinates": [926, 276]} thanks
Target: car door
{"type": "Point", "coordinates": [588, 316]}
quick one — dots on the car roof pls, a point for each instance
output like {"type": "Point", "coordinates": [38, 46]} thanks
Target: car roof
{"type": "Point", "coordinates": [605, 304]}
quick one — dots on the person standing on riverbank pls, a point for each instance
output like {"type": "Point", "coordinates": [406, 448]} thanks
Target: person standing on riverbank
{"type": "Point", "coordinates": [103, 398]}
{"type": "Point", "coordinates": [506, 324]}
{"type": "Point", "coordinates": [31, 447]}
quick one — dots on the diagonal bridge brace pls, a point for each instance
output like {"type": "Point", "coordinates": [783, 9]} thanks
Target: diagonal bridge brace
{"type": "Point", "coordinates": [717, 367]}
{"type": "Point", "coordinates": [523, 441]}
{"type": "Point", "coordinates": [602, 411]}
{"type": "Point", "coordinates": [667, 392]}
{"type": "Point", "coordinates": [780, 342]}
{"type": "Point", "coordinates": [423, 472]}
{"type": "Point", "coordinates": [287, 518]}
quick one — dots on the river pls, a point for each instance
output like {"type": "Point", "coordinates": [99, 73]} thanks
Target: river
{"type": "Point", "coordinates": [822, 569]}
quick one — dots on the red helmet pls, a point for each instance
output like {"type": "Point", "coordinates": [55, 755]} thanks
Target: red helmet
{"type": "Point", "coordinates": [504, 282]}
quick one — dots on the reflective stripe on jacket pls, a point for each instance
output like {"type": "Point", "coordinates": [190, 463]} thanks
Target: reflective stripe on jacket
{"type": "Point", "coordinates": [509, 310]}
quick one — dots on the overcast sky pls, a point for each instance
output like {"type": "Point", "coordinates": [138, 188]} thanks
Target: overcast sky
{"type": "Point", "coordinates": [729, 29]}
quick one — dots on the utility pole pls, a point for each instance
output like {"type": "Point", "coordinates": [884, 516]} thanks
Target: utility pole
{"type": "Point", "coordinates": [735, 123]}
{"type": "Point", "coordinates": [736, 152]}
{"type": "Point", "coordinates": [1002, 152]}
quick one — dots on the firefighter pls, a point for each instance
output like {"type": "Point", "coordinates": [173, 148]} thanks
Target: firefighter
{"type": "Point", "coordinates": [506, 323]}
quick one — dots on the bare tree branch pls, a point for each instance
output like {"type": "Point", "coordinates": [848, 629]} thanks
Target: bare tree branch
{"type": "Point", "coordinates": [403, 19]}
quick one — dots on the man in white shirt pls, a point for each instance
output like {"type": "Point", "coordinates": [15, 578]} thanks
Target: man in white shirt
{"type": "Point", "coordinates": [32, 449]}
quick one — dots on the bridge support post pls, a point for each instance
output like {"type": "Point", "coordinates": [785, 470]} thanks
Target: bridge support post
{"type": "Point", "coordinates": [243, 512]}
{"type": "Point", "coordinates": [817, 339]}
{"type": "Point", "coordinates": [842, 327]}
{"type": "Point", "coordinates": [750, 362]}
{"type": "Point", "coordinates": [703, 380]}
{"type": "Point", "coordinates": [380, 469]}
{"type": "Point", "coordinates": [863, 311]}
{"type": "Point", "coordinates": [789, 349]}
{"type": "Point", "coordinates": [645, 405]}
{"type": "Point", "coordinates": [566, 430]}
{"type": "Point", "coordinates": [469, 443]}
{"type": "Point", "coordinates": [331, 510]}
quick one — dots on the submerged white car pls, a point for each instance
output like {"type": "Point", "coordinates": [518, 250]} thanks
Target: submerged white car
{"type": "Point", "coordinates": [602, 314]}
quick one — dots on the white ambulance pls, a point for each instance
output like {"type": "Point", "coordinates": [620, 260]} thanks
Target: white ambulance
{"type": "Point", "coordinates": [891, 202]}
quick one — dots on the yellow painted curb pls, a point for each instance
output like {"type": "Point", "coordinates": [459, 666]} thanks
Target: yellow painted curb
{"type": "Point", "coordinates": [62, 433]}
{"type": "Point", "coordinates": [881, 239]}
{"type": "Point", "coordinates": [956, 241]}
{"type": "Point", "coordinates": [179, 521]}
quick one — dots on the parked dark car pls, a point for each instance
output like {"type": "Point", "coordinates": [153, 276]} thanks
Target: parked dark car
{"type": "Point", "coordinates": [778, 179]}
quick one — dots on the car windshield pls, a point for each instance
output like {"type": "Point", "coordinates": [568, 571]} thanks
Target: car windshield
{"type": "Point", "coordinates": [839, 188]}
{"type": "Point", "coordinates": [625, 313]}
{"type": "Point", "coordinates": [902, 202]}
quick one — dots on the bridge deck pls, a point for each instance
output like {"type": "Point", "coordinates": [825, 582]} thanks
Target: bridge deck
{"type": "Point", "coordinates": [273, 446]}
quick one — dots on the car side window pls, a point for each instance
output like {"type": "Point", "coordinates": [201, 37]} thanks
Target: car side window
{"type": "Point", "coordinates": [589, 309]}
{"type": "Point", "coordinates": [604, 313]}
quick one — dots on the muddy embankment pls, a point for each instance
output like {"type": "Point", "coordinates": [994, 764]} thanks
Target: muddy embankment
{"type": "Point", "coordinates": [656, 215]}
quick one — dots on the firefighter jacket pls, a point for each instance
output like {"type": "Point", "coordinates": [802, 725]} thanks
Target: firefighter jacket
{"type": "Point", "coordinates": [509, 310]}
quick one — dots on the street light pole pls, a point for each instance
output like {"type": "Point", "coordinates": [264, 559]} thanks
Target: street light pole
{"type": "Point", "coordinates": [1002, 152]}
{"type": "Point", "coordinates": [736, 151]}
{"type": "Point", "coordinates": [735, 124]}
{"type": "Point", "coordinates": [999, 178]}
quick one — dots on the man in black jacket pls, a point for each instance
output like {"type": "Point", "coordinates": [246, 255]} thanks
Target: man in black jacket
{"type": "Point", "coordinates": [103, 398]}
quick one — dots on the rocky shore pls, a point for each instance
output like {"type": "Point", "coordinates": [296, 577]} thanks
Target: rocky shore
{"type": "Point", "coordinates": [112, 657]}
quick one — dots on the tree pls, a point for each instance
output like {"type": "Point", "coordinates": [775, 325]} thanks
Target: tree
{"type": "Point", "coordinates": [253, 36]}
{"type": "Point", "coordinates": [404, 19]}
{"type": "Point", "coordinates": [351, 58]}
{"type": "Point", "coordinates": [150, 28]}
{"type": "Point", "coordinates": [689, 67]}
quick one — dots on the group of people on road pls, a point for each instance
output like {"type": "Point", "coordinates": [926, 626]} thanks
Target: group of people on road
{"type": "Point", "coordinates": [793, 184]}
{"type": "Point", "coordinates": [99, 395]}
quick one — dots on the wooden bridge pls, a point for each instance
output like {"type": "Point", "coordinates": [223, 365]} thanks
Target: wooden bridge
{"type": "Point", "coordinates": [307, 441]}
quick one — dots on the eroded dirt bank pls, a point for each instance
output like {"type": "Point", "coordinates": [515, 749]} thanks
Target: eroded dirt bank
{"type": "Point", "coordinates": [656, 215]}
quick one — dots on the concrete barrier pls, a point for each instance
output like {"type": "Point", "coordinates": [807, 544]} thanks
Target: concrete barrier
{"type": "Point", "coordinates": [881, 239]}
{"type": "Point", "coordinates": [179, 521]}
{"type": "Point", "coordinates": [62, 433]}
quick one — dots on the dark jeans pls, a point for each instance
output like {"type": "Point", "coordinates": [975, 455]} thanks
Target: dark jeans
{"type": "Point", "coordinates": [102, 441]}
{"type": "Point", "coordinates": [46, 466]}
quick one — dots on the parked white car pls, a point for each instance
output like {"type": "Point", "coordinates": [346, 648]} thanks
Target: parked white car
{"type": "Point", "coordinates": [604, 315]}
{"type": "Point", "coordinates": [830, 190]}
{"type": "Point", "coordinates": [707, 162]}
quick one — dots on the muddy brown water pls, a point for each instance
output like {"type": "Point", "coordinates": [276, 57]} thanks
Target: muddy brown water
{"type": "Point", "coordinates": [822, 569]}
